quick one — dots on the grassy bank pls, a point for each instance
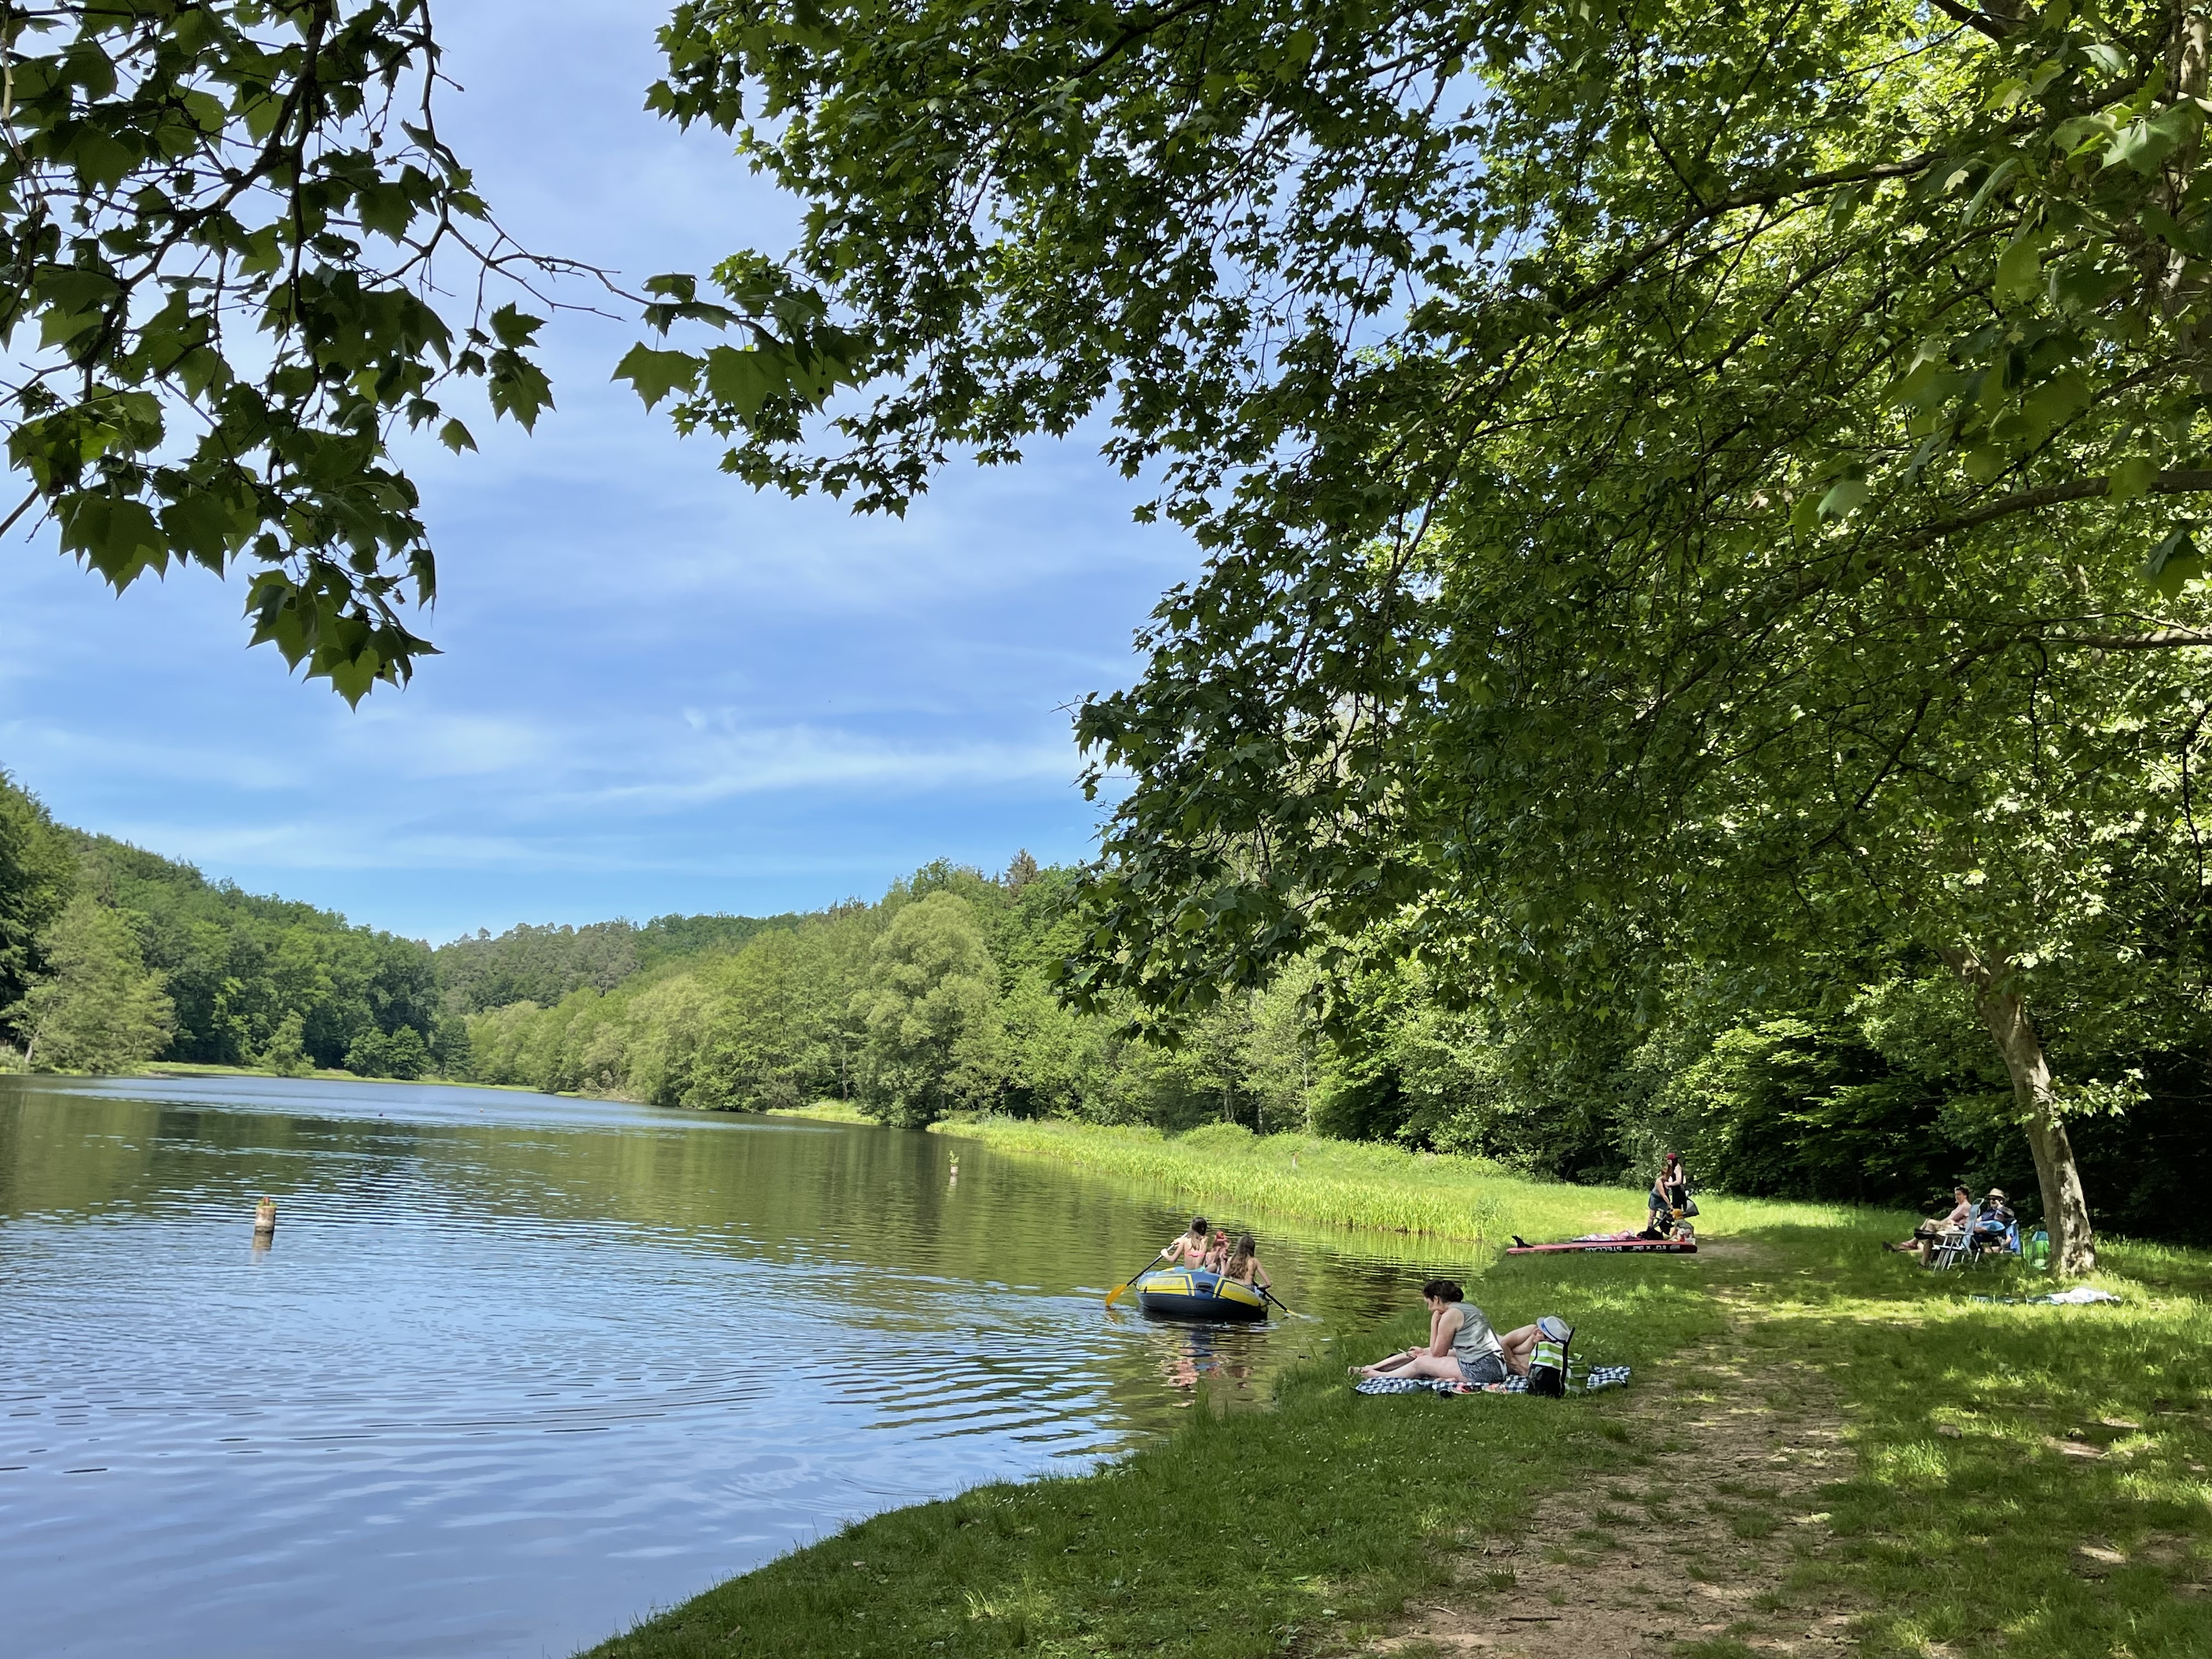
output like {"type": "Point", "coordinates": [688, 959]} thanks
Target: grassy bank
{"type": "Point", "coordinates": [1239, 1536]}
{"type": "Point", "coordinates": [825, 1111]}
{"type": "Point", "coordinates": [2030, 1481]}
{"type": "Point", "coordinates": [1359, 1184]}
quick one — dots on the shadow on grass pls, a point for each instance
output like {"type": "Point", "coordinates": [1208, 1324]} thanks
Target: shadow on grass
{"type": "Point", "coordinates": [2032, 1480]}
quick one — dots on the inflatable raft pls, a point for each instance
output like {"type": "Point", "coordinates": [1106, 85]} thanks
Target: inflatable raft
{"type": "Point", "coordinates": [1588, 1242]}
{"type": "Point", "coordinates": [1193, 1293]}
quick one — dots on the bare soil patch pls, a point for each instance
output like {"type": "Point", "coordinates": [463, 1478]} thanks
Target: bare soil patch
{"type": "Point", "coordinates": [1690, 1548]}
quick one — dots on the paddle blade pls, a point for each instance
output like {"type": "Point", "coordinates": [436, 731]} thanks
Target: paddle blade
{"type": "Point", "coordinates": [1122, 1289]}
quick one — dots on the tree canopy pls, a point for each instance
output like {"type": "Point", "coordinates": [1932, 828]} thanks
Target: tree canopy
{"type": "Point", "coordinates": [1680, 483]}
{"type": "Point", "coordinates": [224, 229]}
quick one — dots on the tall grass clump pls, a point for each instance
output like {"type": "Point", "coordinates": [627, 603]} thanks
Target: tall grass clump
{"type": "Point", "coordinates": [1358, 1183]}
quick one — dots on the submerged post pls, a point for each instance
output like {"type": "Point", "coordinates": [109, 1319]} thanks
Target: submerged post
{"type": "Point", "coordinates": [264, 1217]}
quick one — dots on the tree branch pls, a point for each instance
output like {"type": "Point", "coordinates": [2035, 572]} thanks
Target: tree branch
{"type": "Point", "coordinates": [2163, 638]}
{"type": "Point", "coordinates": [2189, 482]}
{"type": "Point", "coordinates": [1976, 19]}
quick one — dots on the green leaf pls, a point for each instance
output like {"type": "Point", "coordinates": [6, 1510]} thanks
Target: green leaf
{"type": "Point", "coordinates": [455, 437]}
{"type": "Point", "coordinates": [742, 380]}
{"type": "Point", "coordinates": [514, 327]}
{"type": "Point", "coordinates": [2020, 272]}
{"type": "Point", "coordinates": [2056, 401]}
{"type": "Point", "coordinates": [2174, 563]}
{"type": "Point", "coordinates": [1984, 462]}
{"type": "Point", "coordinates": [2132, 478]}
{"type": "Point", "coordinates": [116, 535]}
{"type": "Point", "coordinates": [1844, 498]}
{"type": "Point", "coordinates": [2108, 58]}
{"type": "Point", "coordinates": [656, 373]}
{"type": "Point", "coordinates": [2144, 145]}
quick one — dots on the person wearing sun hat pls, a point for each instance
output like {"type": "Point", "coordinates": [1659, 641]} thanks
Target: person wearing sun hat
{"type": "Point", "coordinates": [1993, 1220]}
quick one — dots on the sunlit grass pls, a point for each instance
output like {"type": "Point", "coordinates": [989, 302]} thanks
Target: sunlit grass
{"type": "Point", "coordinates": [2029, 1482]}
{"type": "Point", "coordinates": [1360, 1184]}
{"type": "Point", "coordinates": [1291, 1530]}
{"type": "Point", "coordinates": [2032, 1480]}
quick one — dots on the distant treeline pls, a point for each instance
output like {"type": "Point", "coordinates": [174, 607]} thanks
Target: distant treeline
{"type": "Point", "coordinates": [543, 964]}
{"type": "Point", "coordinates": [111, 956]}
{"type": "Point", "coordinates": [938, 997]}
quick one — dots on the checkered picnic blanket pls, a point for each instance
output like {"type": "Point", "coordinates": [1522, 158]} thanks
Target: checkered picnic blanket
{"type": "Point", "coordinates": [1597, 1377]}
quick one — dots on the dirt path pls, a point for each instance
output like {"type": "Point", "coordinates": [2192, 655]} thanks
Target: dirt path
{"type": "Point", "coordinates": [1691, 1544]}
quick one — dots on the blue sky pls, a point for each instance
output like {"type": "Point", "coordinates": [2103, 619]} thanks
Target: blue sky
{"type": "Point", "coordinates": [660, 691]}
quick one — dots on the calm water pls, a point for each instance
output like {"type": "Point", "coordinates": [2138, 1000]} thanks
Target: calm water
{"type": "Point", "coordinates": [518, 1370]}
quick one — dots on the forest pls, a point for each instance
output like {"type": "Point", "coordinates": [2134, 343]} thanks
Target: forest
{"type": "Point", "coordinates": [942, 997]}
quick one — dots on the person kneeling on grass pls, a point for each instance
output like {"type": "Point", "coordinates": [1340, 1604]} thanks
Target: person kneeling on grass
{"type": "Point", "coordinates": [1462, 1347]}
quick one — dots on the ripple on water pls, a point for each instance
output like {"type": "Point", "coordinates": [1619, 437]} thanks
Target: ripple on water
{"type": "Point", "coordinates": [517, 1370]}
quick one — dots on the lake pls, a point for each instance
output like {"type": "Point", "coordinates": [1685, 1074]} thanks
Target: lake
{"type": "Point", "coordinates": [517, 1370]}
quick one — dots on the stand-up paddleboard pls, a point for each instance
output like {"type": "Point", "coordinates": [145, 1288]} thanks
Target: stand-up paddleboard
{"type": "Point", "coordinates": [1598, 1243]}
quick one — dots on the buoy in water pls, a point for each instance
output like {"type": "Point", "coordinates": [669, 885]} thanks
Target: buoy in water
{"type": "Point", "coordinates": [264, 1217]}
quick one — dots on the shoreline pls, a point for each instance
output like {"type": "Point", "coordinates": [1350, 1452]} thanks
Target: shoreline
{"type": "Point", "coordinates": [1313, 1527]}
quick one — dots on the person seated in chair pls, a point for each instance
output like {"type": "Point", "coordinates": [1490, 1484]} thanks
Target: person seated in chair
{"type": "Point", "coordinates": [1993, 1222]}
{"type": "Point", "coordinates": [1925, 1234]}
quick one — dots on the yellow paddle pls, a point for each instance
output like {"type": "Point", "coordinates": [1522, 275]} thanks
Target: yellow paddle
{"type": "Point", "coordinates": [1122, 1289]}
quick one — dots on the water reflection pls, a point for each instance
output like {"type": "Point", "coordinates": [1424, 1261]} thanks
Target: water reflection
{"type": "Point", "coordinates": [528, 1368]}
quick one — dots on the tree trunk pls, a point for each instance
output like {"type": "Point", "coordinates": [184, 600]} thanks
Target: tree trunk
{"type": "Point", "coordinates": [2065, 1210]}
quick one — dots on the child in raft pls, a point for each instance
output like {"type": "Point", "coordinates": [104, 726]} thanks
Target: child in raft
{"type": "Point", "coordinates": [1243, 1265]}
{"type": "Point", "coordinates": [1189, 1250]}
{"type": "Point", "coordinates": [1216, 1253]}
{"type": "Point", "coordinates": [1462, 1347]}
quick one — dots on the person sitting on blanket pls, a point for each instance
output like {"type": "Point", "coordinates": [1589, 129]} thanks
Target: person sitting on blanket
{"type": "Point", "coordinates": [1462, 1348]}
{"type": "Point", "coordinates": [1925, 1234]}
{"type": "Point", "coordinates": [1243, 1265]}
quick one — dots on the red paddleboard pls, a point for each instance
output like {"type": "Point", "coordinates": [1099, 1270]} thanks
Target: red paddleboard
{"type": "Point", "coordinates": [1596, 1244]}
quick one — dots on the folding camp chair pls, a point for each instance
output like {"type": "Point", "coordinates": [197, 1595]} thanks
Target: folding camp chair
{"type": "Point", "coordinates": [1967, 1248]}
{"type": "Point", "coordinates": [1954, 1249]}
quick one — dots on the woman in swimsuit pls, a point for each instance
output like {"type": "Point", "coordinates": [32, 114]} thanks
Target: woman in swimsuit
{"type": "Point", "coordinates": [1190, 1249]}
{"type": "Point", "coordinates": [1243, 1265]}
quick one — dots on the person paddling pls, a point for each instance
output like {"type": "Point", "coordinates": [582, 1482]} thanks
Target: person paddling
{"type": "Point", "coordinates": [1243, 1265]}
{"type": "Point", "coordinates": [1190, 1249]}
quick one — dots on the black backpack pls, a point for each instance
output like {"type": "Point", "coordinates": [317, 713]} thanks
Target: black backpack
{"type": "Point", "coordinates": [1547, 1364]}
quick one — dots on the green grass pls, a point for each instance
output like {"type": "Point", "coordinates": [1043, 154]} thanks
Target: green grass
{"type": "Point", "coordinates": [2031, 1482]}
{"type": "Point", "coordinates": [827, 1111]}
{"type": "Point", "coordinates": [1256, 1534]}
{"type": "Point", "coordinates": [1359, 1184]}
